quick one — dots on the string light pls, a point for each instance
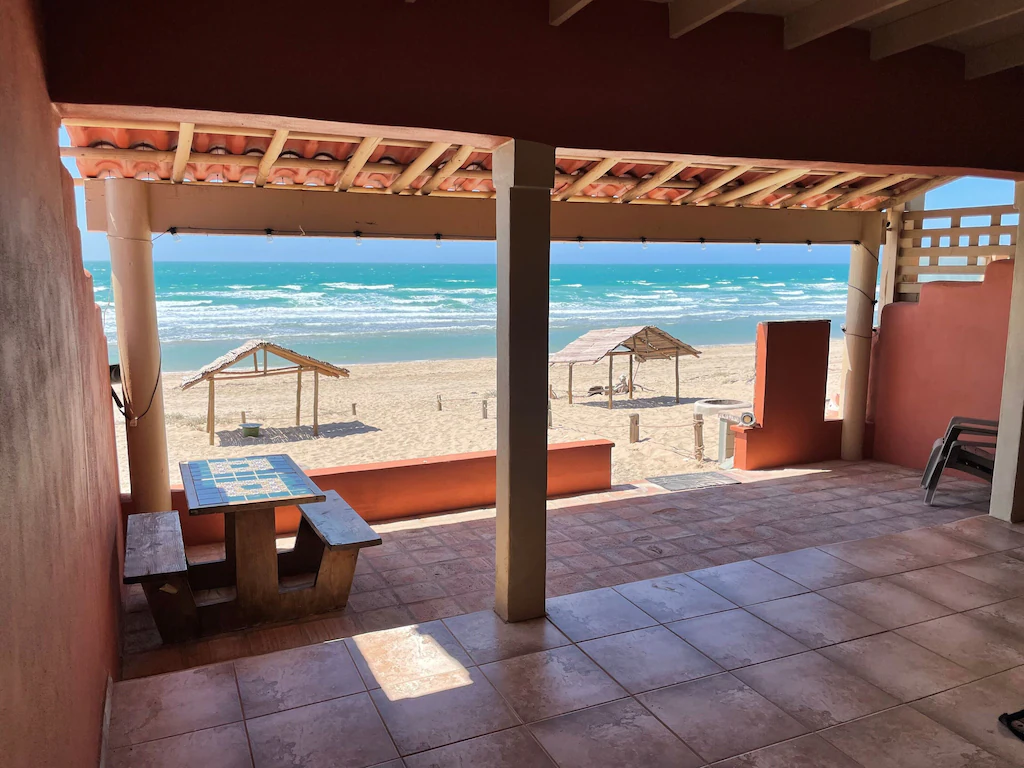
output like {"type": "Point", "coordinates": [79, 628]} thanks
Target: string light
{"type": "Point", "coordinates": [703, 244]}
{"type": "Point", "coordinates": [757, 244]}
{"type": "Point", "coordinates": [579, 242]}
{"type": "Point", "coordinates": [437, 240]}
{"type": "Point", "coordinates": [174, 234]}
{"type": "Point", "coordinates": [643, 243]}
{"type": "Point", "coordinates": [809, 247]}
{"type": "Point", "coordinates": [270, 234]}
{"type": "Point", "coordinates": [359, 237]}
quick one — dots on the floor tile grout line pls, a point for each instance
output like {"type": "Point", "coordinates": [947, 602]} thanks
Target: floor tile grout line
{"type": "Point", "coordinates": [241, 709]}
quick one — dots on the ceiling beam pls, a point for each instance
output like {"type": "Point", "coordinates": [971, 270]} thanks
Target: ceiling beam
{"type": "Point", "coordinates": [939, 22]}
{"type": "Point", "coordinates": [596, 171]}
{"type": "Point", "coordinates": [781, 178]}
{"type": "Point", "coordinates": [686, 15]}
{"type": "Point", "coordinates": [559, 11]}
{"type": "Point", "coordinates": [446, 171]}
{"type": "Point", "coordinates": [827, 16]}
{"type": "Point", "coordinates": [418, 166]}
{"type": "Point", "coordinates": [1001, 55]}
{"type": "Point", "coordinates": [713, 185]}
{"type": "Point", "coordinates": [356, 163]}
{"type": "Point", "coordinates": [867, 190]}
{"type": "Point", "coordinates": [920, 189]}
{"type": "Point", "coordinates": [270, 156]}
{"type": "Point", "coordinates": [182, 151]}
{"type": "Point", "coordinates": [649, 185]}
{"type": "Point", "coordinates": [821, 188]}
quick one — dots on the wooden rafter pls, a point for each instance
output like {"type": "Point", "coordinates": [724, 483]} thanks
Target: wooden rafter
{"type": "Point", "coordinates": [938, 22]}
{"type": "Point", "coordinates": [686, 15]}
{"type": "Point", "coordinates": [418, 166]}
{"type": "Point", "coordinates": [647, 185]}
{"type": "Point", "coordinates": [759, 197]}
{"type": "Point", "coordinates": [560, 11]}
{"type": "Point", "coordinates": [182, 151]}
{"type": "Point", "coordinates": [270, 156]}
{"type": "Point", "coordinates": [714, 184]}
{"type": "Point", "coordinates": [827, 16]}
{"type": "Point", "coordinates": [868, 189]}
{"type": "Point", "coordinates": [927, 186]}
{"type": "Point", "coordinates": [356, 162]}
{"type": "Point", "coordinates": [823, 186]}
{"type": "Point", "coordinates": [579, 183]}
{"type": "Point", "coordinates": [990, 59]}
{"type": "Point", "coordinates": [779, 177]}
{"type": "Point", "coordinates": [447, 170]}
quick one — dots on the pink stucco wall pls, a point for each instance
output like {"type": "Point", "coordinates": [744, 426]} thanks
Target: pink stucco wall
{"type": "Point", "coordinates": [59, 534]}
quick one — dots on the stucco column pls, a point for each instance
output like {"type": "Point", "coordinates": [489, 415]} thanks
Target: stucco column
{"type": "Point", "coordinates": [138, 343]}
{"type": "Point", "coordinates": [860, 314]}
{"type": "Point", "coordinates": [1008, 481]}
{"type": "Point", "coordinates": [523, 177]}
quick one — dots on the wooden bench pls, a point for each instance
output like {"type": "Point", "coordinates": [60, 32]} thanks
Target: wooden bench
{"type": "Point", "coordinates": [155, 557]}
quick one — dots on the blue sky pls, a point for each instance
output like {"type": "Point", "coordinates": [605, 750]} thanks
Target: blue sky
{"type": "Point", "coordinates": [965, 192]}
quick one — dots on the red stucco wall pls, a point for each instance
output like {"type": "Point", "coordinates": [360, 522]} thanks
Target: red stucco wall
{"type": "Point", "coordinates": [936, 359]}
{"type": "Point", "coordinates": [395, 489]}
{"type": "Point", "coordinates": [59, 531]}
{"type": "Point", "coordinates": [789, 399]}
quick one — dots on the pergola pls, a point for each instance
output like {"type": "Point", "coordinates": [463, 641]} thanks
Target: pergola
{"type": "Point", "coordinates": [299, 363]}
{"type": "Point", "coordinates": [643, 342]}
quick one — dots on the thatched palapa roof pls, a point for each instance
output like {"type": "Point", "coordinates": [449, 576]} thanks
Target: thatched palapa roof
{"type": "Point", "coordinates": [644, 341]}
{"type": "Point", "coordinates": [304, 362]}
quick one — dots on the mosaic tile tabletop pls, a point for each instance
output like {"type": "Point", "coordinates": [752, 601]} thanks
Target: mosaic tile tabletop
{"type": "Point", "coordinates": [255, 482]}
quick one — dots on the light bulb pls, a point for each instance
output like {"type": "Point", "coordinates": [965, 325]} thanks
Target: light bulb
{"type": "Point", "coordinates": [643, 243]}
{"type": "Point", "coordinates": [809, 248]}
{"type": "Point", "coordinates": [437, 240]}
{"type": "Point", "coordinates": [579, 242]}
{"type": "Point", "coordinates": [757, 245]}
{"type": "Point", "coordinates": [359, 237]}
{"type": "Point", "coordinates": [174, 235]}
{"type": "Point", "coordinates": [270, 235]}
{"type": "Point", "coordinates": [703, 244]}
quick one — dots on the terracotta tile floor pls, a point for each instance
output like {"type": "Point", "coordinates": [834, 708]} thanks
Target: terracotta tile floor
{"type": "Point", "coordinates": [903, 658]}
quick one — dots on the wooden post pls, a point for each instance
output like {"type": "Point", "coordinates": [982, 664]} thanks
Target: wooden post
{"type": "Point", "coordinates": [698, 437]}
{"type": "Point", "coordinates": [634, 427]}
{"type": "Point", "coordinates": [611, 384]}
{"type": "Point", "coordinates": [485, 409]}
{"type": "Point", "coordinates": [1008, 480]}
{"type": "Point", "coordinates": [138, 341]}
{"type": "Point", "coordinates": [630, 375]}
{"type": "Point", "coordinates": [890, 254]}
{"type": "Point", "coordinates": [255, 363]}
{"type": "Point", "coordinates": [264, 361]}
{"type": "Point", "coordinates": [353, 409]}
{"type": "Point", "coordinates": [677, 377]}
{"type": "Point", "coordinates": [243, 417]}
{"type": "Point", "coordinates": [570, 383]}
{"type": "Point", "coordinates": [439, 402]}
{"type": "Point", "coordinates": [316, 403]}
{"type": "Point", "coordinates": [523, 176]}
{"type": "Point", "coordinates": [209, 412]}
{"type": "Point", "coordinates": [549, 415]}
{"type": "Point", "coordinates": [860, 313]}
{"type": "Point", "coordinates": [298, 398]}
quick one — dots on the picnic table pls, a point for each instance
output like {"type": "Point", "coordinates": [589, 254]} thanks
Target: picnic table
{"type": "Point", "coordinates": [254, 582]}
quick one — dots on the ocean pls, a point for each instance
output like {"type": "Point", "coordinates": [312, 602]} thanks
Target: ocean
{"type": "Point", "coordinates": [388, 312]}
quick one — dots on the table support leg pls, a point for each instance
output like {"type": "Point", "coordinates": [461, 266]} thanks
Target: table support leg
{"type": "Point", "coordinates": [255, 553]}
{"type": "Point", "coordinates": [173, 608]}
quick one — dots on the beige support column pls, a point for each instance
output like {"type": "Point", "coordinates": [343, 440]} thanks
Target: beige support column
{"type": "Point", "coordinates": [890, 254]}
{"type": "Point", "coordinates": [860, 314]}
{"type": "Point", "coordinates": [138, 341]}
{"type": "Point", "coordinates": [1008, 481]}
{"type": "Point", "coordinates": [523, 177]}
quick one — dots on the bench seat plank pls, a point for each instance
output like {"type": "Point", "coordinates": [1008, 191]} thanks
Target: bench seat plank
{"type": "Point", "coordinates": [338, 525]}
{"type": "Point", "coordinates": [154, 547]}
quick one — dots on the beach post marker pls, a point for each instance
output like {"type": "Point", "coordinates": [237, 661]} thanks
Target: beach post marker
{"type": "Point", "coordinates": [209, 412]}
{"type": "Point", "coordinates": [698, 436]}
{"type": "Point", "coordinates": [677, 377]}
{"type": "Point", "coordinates": [549, 414]}
{"type": "Point", "coordinates": [485, 408]}
{"type": "Point", "coordinates": [439, 402]}
{"type": "Point", "coordinates": [631, 375]}
{"type": "Point", "coordinates": [353, 409]}
{"type": "Point", "coordinates": [634, 427]}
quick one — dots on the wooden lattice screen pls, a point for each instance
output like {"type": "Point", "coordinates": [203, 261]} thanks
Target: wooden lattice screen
{"type": "Point", "coordinates": [950, 242]}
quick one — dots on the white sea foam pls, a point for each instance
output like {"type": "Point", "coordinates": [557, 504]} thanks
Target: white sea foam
{"type": "Point", "coordinates": [771, 285]}
{"type": "Point", "coordinates": [697, 285]}
{"type": "Point", "coordinates": [360, 286]}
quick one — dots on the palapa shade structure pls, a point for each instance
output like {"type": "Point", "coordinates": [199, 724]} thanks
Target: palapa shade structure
{"type": "Point", "coordinates": [643, 342]}
{"type": "Point", "coordinates": [299, 362]}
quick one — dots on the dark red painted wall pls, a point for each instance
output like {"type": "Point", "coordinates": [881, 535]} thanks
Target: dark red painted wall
{"type": "Point", "coordinates": [610, 78]}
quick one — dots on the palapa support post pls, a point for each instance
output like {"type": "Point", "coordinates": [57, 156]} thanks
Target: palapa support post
{"type": "Point", "coordinates": [243, 417]}
{"type": "Point", "coordinates": [523, 177]}
{"type": "Point", "coordinates": [677, 376]}
{"type": "Point", "coordinates": [570, 383]}
{"type": "Point", "coordinates": [698, 437]}
{"type": "Point", "coordinates": [316, 403]}
{"type": "Point", "coordinates": [256, 363]}
{"type": "Point", "coordinates": [439, 402]}
{"type": "Point", "coordinates": [634, 427]}
{"type": "Point", "coordinates": [353, 409]}
{"type": "Point", "coordinates": [485, 409]}
{"type": "Point", "coordinates": [549, 415]}
{"type": "Point", "coordinates": [630, 375]}
{"type": "Point", "coordinates": [209, 412]}
{"type": "Point", "coordinates": [611, 384]}
{"type": "Point", "coordinates": [298, 398]}
{"type": "Point", "coordinates": [264, 361]}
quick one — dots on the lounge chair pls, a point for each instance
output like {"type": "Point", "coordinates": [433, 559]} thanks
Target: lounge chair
{"type": "Point", "coordinates": [976, 457]}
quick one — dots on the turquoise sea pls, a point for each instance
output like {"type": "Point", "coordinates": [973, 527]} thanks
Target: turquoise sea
{"type": "Point", "coordinates": [384, 312]}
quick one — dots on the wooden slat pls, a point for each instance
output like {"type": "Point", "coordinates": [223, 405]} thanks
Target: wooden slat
{"type": "Point", "coordinates": [760, 197]}
{"type": "Point", "coordinates": [1001, 55]}
{"type": "Point", "coordinates": [908, 287]}
{"type": "Point", "coordinates": [560, 11]}
{"type": "Point", "coordinates": [659, 178]}
{"type": "Point", "coordinates": [920, 189]}
{"type": "Point", "coordinates": [785, 176]}
{"type": "Point", "coordinates": [154, 547]}
{"type": "Point", "coordinates": [595, 172]}
{"type": "Point", "coordinates": [970, 251]}
{"type": "Point", "coordinates": [356, 162]}
{"type": "Point", "coordinates": [686, 15]}
{"type": "Point", "coordinates": [944, 269]}
{"type": "Point", "coordinates": [867, 190]}
{"type": "Point", "coordinates": [270, 156]}
{"type": "Point", "coordinates": [338, 525]}
{"type": "Point", "coordinates": [958, 232]}
{"type": "Point", "coordinates": [418, 166]}
{"type": "Point", "coordinates": [446, 171]}
{"type": "Point", "coordinates": [946, 213]}
{"type": "Point", "coordinates": [714, 184]}
{"type": "Point", "coordinates": [827, 16]}
{"type": "Point", "coordinates": [182, 151]}
{"type": "Point", "coordinates": [940, 21]}
{"type": "Point", "coordinates": [823, 186]}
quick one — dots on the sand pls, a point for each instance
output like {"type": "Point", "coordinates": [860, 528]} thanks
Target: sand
{"type": "Point", "coordinates": [397, 416]}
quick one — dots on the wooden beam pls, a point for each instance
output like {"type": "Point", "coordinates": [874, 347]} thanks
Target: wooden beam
{"type": "Point", "coordinates": [920, 189]}
{"type": "Point", "coordinates": [446, 171]}
{"type": "Point", "coordinates": [938, 22]}
{"type": "Point", "coordinates": [1004, 54]}
{"type": "Point", "coordinates": [298, 398]}
{"type": "Point", "coordinates": [784, 176]}
{"type": "Point", "coordinates": [356, 162]}
{"type": "Point", "coordinates": [866, 190]}
{"type": "Point", "coordinates": [686, 15]}
{"type": "Point", "coordinates": [418, 166]}
{"type": "Point", "coordinates": [560, 11]}
{"type": "Point", "coordinates": [182, 151]}
{"type": "Point", "coordinates": [714, 184]}
{"type": "Point", "coordinates": [659, 178]}
{"type": "Point", "coordinates": [827, 16]}
{"type": "Point", "coordinates": [821, 188]}
{"type": "Point", "coordinates": [760, 197]}
{"type": "Point", "coordinates": [270, 156]}
{"type": "Point", "coordinates": [589, 177]}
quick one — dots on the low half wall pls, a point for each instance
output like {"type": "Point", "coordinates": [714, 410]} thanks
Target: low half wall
{"type": "Point", "coordinates": [396, 489]}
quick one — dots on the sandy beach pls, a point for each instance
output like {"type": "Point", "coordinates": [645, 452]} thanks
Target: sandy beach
{"type": "Point", "coordinates": [397, 417]}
